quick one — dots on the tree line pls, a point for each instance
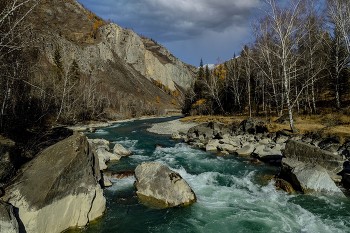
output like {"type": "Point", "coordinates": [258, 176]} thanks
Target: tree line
{"type": "Point", "coordinates": [298, 63]}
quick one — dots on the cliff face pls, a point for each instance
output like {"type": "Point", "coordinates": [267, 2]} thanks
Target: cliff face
{"type": "Point", "coordinates": [125, 68]}
{"type": "Point", "coordinates": [146, 56]}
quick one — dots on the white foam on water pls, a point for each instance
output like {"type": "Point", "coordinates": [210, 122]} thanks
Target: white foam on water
{"type": "Point", "coordinates": [121, 184]}
{"type": "Point", "coordinates": [244, 203]}
{"type": "Point", "coordinates": [174, 156]}
{"type": "Point", "coordinates": [101, 132]}
{"type": "Point", "coordinates": [129, 144]}
{"type": "Point", "coordinates": [113, 126]}
{"type": "Point", "coordinates": [140, 158]}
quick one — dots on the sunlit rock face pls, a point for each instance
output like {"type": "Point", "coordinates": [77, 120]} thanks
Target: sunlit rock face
{"type": "Point", "coordinates": [160, 187]}
{"type": "Point", "coordinates": [59, 189]}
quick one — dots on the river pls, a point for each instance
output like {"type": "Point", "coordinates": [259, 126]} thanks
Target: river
{"type": "Point", "coordinates": [233, 194]}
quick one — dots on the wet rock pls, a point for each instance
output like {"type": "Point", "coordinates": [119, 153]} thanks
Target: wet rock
{"type": "Point", "coordinates": [63, 179]}
{"type": "Point", "coordinates": [224, 153]}
{"type": "Point", "coordinates": [309, 154]}
{"type": "Point", "coordinates": [8, 221]}
{"type": "Point", "coordinates": [107, 182]}
{"type": "Point", "coordinates": [308, 177]}
{"type": "Point", "coordinates": [245, 150]}
{"type": "Point", "coordinates": [281, 139]}
{"type": "Point", "coordinates": [160, 187]}
{"type": "Point", "coordinates": [99, 143]}
{"type": "Point", "coordinates": [120, 174]}
{"type": "Point", "coordinates": [102, 164]}
{"type": "Point", "coordinates": [198, 145]}
{"type": "Point", "coordinates": [227, 147]}
{"type": "Point", "coordinates": [265, 141]}
{"type": "Point", "coordinates": [119, 149]}
{"type": "Point", "coordinates": [231, 141]}
{"type": "Point", "coordinates": [268, 154]}
{"type": "Point", "coordinates": [176, 136]}
{"type": "Point", "coordinates": [105, 156]}
{"type": "Point", "coordinates": [212, 145]}
{"type": "Point", "coordinates": [284, 185]}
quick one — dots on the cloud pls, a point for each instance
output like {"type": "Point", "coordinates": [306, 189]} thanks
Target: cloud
{"type": "Point", "coordinates": [177, 19]}
{"type": "Point", "coordinates": [180, 21]}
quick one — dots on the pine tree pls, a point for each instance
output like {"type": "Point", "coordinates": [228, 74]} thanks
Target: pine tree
{"type": "Point", "coordinates": [201, 70]}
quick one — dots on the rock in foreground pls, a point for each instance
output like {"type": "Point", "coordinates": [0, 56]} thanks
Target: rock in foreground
{"type": "Point", "coordinates": [59, 189]}
{"type": "Point", "coordinates": [160, 187]}
{"type": "Point", "coordinates": [308, 177]}
{"type": "Point", "coordinates": [309, 154]}
{"type": "Point", "coordinates": [8, 222]}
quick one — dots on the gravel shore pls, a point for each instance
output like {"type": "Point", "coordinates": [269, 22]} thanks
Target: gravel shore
{"type": "Point", "coordinates": [170, 127]}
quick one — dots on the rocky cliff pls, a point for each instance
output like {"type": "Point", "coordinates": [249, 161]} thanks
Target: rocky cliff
{"type": "Point", "coordinates": [146, 56]}
{"type": "Point", "coordinates": [59, 189]}
{"type": "Point", "coordinates": [126, 72]}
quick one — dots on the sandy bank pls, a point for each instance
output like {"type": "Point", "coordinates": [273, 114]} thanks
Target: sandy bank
{"type": "Point", "coordinates": [171, 127]}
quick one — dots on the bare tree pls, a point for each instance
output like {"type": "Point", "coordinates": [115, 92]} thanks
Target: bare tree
{"type": "Point", "coordinates": [12, 16]}
{"type": "Point", "coordinates": [339, 15]}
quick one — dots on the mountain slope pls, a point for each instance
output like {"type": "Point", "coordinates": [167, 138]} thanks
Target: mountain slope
{"type": "Point", "coordinates": [87, 64]}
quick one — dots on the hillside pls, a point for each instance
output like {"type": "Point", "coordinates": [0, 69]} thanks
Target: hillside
{"type": "Point", "coordinates": [81, 60]}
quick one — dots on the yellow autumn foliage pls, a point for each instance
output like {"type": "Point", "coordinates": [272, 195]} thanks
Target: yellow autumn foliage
{"type": "Point", "coordinates": [199, 102]}
{"type": "Point", "coordinates": [220, 71]}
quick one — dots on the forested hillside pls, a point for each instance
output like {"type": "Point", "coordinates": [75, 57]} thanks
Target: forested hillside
{"type": "Point", "coordinates": [298, 64]}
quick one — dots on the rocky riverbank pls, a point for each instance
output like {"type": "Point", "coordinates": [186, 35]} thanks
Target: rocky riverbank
{"type": "Point", "coordinates": [308, 163]}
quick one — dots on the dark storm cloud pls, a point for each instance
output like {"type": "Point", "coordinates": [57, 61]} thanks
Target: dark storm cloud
{"type": "Point", "coordinates": [175, 19]}
{"type": "Point", "coordinates": [191, 29]}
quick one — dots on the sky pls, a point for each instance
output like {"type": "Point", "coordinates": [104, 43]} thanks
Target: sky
{"type": "Point", "coordinates": [213, 30]}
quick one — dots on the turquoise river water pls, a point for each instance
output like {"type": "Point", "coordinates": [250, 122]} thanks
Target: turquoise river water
{"type": "Point", "coordinates": [232, 194]}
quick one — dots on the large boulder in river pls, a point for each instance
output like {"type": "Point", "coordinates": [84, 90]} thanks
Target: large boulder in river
{"type": "Point", "coordinates": [308, 177]}
{"type": "Point", "coordinates": [309, 154]}
{"type": "Point", "coordinates": [8, 221]}
{"type": "Point", "coordinates": [160, 187]}
{"type": "Point", "coordinates": [59, 189]}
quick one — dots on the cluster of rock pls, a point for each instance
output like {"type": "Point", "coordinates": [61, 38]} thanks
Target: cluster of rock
{"type": "Point", "coordinates": [101, 148]}
{"type": "Point", "coordinates": [63, 179]}
{"type": "Point", "coordinates": [251, 137]}
{"type": "Point", "coordinates": [307, 164]}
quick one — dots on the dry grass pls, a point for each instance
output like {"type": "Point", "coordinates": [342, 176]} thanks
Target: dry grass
{"type": "Point", "coordinates": [330, 124]}
{"type": "Point", "coordinates": [221, 119]}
